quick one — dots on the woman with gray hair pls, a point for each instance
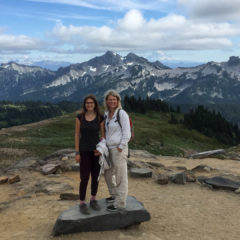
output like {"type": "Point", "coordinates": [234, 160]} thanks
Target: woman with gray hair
{"type": "Point", "coordinates": [117, 127]}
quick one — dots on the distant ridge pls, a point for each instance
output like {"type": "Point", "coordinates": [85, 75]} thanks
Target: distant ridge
{"type": "Point", "coordinates": [210, 83]}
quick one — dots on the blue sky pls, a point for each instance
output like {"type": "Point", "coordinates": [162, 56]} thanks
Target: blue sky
{"type": "Point", "coordinates": [77, 30]}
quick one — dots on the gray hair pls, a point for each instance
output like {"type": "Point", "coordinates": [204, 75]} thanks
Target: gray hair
{"type": "Point", "coordinates": [114, 94]}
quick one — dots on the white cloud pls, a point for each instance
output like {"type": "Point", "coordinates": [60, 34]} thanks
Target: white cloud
{"type": "Point", "coordinates": [11, 43]}
{"type": "Point", "coordinates": [133, 32]}
{"type": "Point", "coordinates": [219, 10]}
{"type": "Point", "coordinates": [161, 5]}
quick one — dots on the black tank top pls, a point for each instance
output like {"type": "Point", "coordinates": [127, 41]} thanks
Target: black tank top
{"type": "Point", "coordinates": [89, 132]}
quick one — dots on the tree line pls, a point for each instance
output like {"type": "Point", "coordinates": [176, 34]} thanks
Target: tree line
{"type": "Point", "coordinates": [132, 104]}
{"type": "Point", "coordinates": [212, 124]}
{"type": "Point", "coordinates": [17, 113]}
{"type": "Point", "coordinates": [208, 122]}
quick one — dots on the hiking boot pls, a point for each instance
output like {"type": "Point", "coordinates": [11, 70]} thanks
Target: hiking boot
{"type": "Point", "coordinates": [112, 208]}
{"type": "Point", "coordinates": [94, 205]}
{"type": "Point", "coordinates": [84, 209]}
{"type": "Point", "coordinates": [110, 199]}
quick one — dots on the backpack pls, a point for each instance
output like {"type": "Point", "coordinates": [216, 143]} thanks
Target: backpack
{"type": "Point", "coordinates": [131, 124]}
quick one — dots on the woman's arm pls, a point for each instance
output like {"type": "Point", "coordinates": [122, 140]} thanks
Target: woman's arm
{"type": "Point", "coordinates": [126, 131]}
{"type": "Point", "coordinates": [77, 134]}
{"type": "Point", "coordinates": [102, 129]}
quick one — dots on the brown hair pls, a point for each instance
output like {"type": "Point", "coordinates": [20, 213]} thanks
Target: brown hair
{"type": "Point", "coordinates": [96, 108]}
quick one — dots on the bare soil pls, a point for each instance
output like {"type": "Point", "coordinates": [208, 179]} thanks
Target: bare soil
{"type": "Point", "coordinates": [189, 212]}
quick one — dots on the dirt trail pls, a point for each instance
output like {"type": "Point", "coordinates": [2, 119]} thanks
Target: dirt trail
{"type": "Point", "coordinates": [189, 212]}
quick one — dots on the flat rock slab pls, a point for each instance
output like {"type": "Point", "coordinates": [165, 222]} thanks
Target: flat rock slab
{"type": "Point", "coordinates": [222, 183]}
{"type": "Point", "coordinates": [140, 172]}
{"type": "Point", "coordinates": [207, 153]}
{"type": "Point", "coordinates": [72, 221]}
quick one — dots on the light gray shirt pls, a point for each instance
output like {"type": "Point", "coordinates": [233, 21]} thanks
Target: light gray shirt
{"type": "Point", "coordinates": [115, 135]}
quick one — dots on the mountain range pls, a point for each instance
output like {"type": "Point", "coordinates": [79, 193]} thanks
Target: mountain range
{"type": "Point", "coordinates": [210, 83]}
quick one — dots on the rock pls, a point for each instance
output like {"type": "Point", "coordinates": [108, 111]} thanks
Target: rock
{"type": "Point", "coordinates": [3, 179]}
{"type": "Point", "coordinates": [27, 163]}
{"type": "Point", "coordinates": [179, 178]}
{"type": "Point", "coordinates": [190, 177]}
{"type": "Point", "coordinates": [222, 183]}
{"type": "Point", "coordinates": [207, 153]}
{"type": "Point", "coordinates": [76, 167]}
{"type": "Point", "coordinates": [49, 168]}
{"type": "Point", "coordinates": [50, 187]}
{"type": "Point", "coordinates": [202, 168]}
{"type": "Point", "coordinates": [72, 221]}
{"type": "Point", "coordinates": [201, 179]}
{"type": "Point", "coordinates": [60, 153]}
{"type": "Point", "coordinates": [65, 158]}
{"type": "Point", "coordinates": [132, 164]}
{"type": "Point", "coordinates": [14, 179]}
{"type": "Point", "coordinates": [69, 196]}
{"type": "Point", "coordinates": [140, 172]}
{"type": "Point", "coordinates": [162, 179]}
{"type": "Point", "coordinates": [142, 154]}
{"type": "Point", "coordinates": [156, 164]}
{"type": "Point", "coordinates": [237, 191]}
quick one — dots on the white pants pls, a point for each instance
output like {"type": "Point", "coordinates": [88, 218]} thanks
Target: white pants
{"type": "Point", "coordinates": [117, 178]}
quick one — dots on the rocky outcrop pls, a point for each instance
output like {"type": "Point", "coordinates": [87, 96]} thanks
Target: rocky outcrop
{"type": "Point", "coordinates": [140, 172]}
{"type": "Point", "coordinates": [72, 221]}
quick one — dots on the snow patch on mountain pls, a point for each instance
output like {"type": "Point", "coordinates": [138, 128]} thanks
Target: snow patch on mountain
{"type": "Point", "coordinates": [164, 86]}
{"type": "Point", "coordinates": [93, 69]}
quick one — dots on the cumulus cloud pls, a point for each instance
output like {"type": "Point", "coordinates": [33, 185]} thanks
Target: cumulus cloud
{"type": "Point", "coordinates": [12, 43]}
{"type": "Point", "coordinates": [219, 10]}
{"type": "Point", "coordinates": [134, 32]}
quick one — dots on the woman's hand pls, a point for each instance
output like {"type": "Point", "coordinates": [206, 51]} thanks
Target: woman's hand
{"type": "Point", "coordinates": [119, 149]}
{"type": "Point", "coordinates": [97, 153]}
{"type": "Point", "coordinates": [78, 158]}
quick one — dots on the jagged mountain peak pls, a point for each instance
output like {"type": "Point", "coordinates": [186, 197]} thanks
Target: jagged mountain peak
{"type": "Point", "coordinates": [233, 61]}
{"type": "Point", "coordinates": [109, 58]}
{"type": "Point", "coordinates": [132, 57]}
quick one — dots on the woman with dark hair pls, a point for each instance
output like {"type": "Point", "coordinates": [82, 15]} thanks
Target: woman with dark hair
{"type": "Point", "coordinates": [88, 125]}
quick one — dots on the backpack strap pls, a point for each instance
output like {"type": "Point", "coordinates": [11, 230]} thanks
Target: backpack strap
{"type": "Point", "coordinates": [118, 118]}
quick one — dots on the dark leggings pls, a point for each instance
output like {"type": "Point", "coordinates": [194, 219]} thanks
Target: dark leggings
{"type": "Point", "coordinates": [88, 164]}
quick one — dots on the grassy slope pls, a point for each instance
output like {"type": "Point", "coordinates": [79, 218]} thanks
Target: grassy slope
{"type": "Point", "coordinates": [152, 133]}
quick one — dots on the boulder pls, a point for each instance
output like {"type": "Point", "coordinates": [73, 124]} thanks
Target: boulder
{"type": "Point", "coordinates": [14, 179]}
{"type": "Point", "coordinates": [202, 168]}
{"type": "Point", "coordinates": [3, 179]}
{"type": "Point", "coordinates": [222, 183]}
{"type": "Point", "coordinates": [50, 168]}
{"type": "Point", "coordinates": [140, 172]}
{"type": "Point", "coordinates": [162, 179]}
{"type": "Point", "coordinates": [179, 178]}
{"type": "Point", "coordinates": [72, 221]}
{"type": "Point", "coordinates": [190, 177]}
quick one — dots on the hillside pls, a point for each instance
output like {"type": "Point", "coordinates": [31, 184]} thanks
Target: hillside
{"type": "Point", "coordinates": [152, 133]}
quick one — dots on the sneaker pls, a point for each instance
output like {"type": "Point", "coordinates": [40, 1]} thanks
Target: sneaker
{"type": "Point", "coordinates": [110, 199]}
{"type": "Point", "coordinates": [94, 205]}
{"type": "Point", "coordinates": [84, 209]}
{"type": "Point", "coordinates": [112, 208]}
